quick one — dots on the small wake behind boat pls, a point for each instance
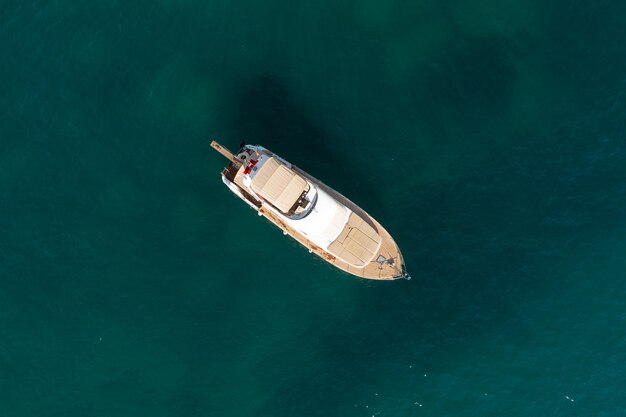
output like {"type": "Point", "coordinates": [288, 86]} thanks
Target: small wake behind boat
{"type": "Point", "coordinates": [318, 217]}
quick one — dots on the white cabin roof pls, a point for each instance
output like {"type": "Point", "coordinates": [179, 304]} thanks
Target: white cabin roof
{"type": "Point", "coordinates": [325, 221]}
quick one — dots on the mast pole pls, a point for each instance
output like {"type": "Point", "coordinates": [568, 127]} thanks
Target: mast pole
{"type": "Point", "coordinates": [225, 152]}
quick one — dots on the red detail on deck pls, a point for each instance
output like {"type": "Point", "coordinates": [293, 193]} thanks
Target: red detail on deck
{"type": "Point", "coordinates": [251, 165]}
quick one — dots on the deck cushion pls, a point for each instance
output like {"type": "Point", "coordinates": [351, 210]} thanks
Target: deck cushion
{"type": "Point", "coordinates": [357, 243]}
{"type": "Point", "coordinates": [278, 184]}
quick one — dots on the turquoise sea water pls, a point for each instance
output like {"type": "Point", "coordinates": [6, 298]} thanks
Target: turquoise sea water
{"type": "Point", "coordinates": [488, 137]}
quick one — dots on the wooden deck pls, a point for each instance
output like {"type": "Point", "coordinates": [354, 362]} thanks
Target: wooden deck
{"type": "Point", "coordinates": [372, 270]}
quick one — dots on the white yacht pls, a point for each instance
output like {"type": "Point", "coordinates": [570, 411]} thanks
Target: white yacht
{"type": "Point", "coordinates": [315, 215]}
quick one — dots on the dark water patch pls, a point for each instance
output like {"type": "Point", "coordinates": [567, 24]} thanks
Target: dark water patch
{"type": "Point", "coordinates": [590, 63]}
{"type": "Point", "coordinates": [471, 85]}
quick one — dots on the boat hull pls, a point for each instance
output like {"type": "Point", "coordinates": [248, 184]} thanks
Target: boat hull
{"type": "Point", "coordinates": [386, 264]}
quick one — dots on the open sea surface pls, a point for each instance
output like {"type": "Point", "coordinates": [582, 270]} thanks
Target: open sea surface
{"type": "Point", "coordinates": [488, 137]}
